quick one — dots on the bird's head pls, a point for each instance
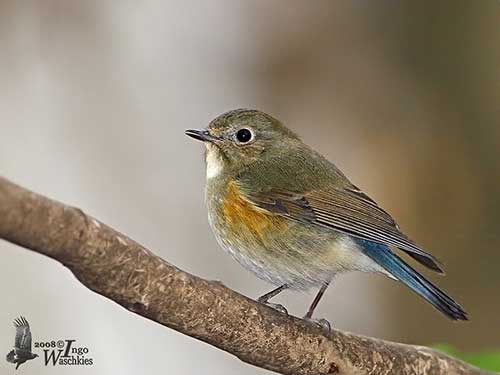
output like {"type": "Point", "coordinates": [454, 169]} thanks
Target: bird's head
{"type": "Point", "coordinates": [238, 138]}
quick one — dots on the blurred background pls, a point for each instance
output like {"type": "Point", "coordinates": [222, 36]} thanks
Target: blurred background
{"type": "Point", "coordinates": [403, 96]}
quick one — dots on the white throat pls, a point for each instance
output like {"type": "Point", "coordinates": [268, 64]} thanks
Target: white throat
{"type": "Point", "coordinates": [214, 161]}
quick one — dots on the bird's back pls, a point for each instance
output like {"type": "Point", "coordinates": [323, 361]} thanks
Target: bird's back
{"type": "Point", "coordinates": [298, 169]}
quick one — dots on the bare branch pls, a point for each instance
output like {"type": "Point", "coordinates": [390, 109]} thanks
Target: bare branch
{"type": "Point", "coordinates": [113, 265]}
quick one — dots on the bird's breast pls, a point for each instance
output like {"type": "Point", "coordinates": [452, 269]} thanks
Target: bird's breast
{"type": "Point", "coordinates": [242, 218]}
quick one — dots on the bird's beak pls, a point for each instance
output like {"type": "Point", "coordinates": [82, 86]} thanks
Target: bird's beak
{"type": "Point", "coordinates": [201, 135]}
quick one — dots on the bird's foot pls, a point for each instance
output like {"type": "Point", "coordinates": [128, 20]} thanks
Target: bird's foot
{"type": "Point", "coordinates": [324, 324]}
{"type": "Point", "coordinates": [275, 306]}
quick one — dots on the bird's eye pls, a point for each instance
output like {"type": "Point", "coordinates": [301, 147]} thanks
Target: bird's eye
{"type": "Point", "coordinates": [244, 136]}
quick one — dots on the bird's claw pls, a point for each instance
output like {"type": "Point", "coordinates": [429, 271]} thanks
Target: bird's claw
{"type": "Point", "coordinates": [275, 306]}
{"type": "Point", "coordinates": [324, 324]}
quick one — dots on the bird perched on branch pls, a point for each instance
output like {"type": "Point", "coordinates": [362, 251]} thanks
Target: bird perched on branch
{"type": "Point", "coordinates": [22, 343]}
{"type": "Point", "coordinates": [290, 216]}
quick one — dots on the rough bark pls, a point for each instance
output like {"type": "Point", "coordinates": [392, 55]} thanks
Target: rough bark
{"type": "Point", "coordinates": [111, 264]}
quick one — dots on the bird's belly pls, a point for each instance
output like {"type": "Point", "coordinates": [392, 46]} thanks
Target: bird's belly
{"type": "Point", "coordinates": [297, 255]}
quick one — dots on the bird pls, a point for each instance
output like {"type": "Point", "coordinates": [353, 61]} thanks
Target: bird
{"type": "Point", "coordinates": [22, 344]}
{"type": "Point", "coordinates": [290, 216]}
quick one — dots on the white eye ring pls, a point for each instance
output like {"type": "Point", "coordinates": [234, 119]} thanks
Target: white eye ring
{"type": "Point", "coordinates": [244, 136]}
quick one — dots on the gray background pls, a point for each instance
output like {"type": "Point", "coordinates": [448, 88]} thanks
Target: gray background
{"type": "Point", "coordinates": [94, 98]}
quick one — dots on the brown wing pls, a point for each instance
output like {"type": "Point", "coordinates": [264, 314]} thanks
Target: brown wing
{"type": "Point", "coordinates": [347, 210]}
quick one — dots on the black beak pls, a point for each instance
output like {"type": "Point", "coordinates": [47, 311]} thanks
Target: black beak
{"type": "Point", "coordinates": [201, 135]}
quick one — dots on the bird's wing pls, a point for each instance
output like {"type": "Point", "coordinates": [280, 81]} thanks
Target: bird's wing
{"type": "Point", "coordinates": [346, 209]}
{"type": "Point", "coordinates": [23, 334]}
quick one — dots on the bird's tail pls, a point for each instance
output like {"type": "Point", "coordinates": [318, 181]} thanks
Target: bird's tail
{"type": "Point", "coordinates": [11, 356]}
{"type": "Point", "coordinates": [397, 267]}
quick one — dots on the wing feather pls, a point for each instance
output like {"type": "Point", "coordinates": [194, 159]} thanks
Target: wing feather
{"type": "Point", "coordinates": [23, 334]}
{"type": "Point", "coordinates": [347, 210]}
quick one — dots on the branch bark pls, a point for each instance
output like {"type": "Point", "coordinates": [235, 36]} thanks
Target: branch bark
{"type": "Point", "coordinates": [113, 265]}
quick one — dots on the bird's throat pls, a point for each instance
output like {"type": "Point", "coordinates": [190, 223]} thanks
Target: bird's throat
{"type": "Point", "coordinates": [215, 161]}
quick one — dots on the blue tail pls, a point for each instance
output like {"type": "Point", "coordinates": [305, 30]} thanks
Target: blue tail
{"type": "Point", "coordinates": [397, 267]}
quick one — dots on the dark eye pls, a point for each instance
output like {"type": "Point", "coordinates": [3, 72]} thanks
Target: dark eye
{"type": "Point", "coordinates": [244, 135]}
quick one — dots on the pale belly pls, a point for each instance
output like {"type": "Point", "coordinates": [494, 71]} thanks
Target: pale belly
{"type": "Point", "coordinates": [302, 257]}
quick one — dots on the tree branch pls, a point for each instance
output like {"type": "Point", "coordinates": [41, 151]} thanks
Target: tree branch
{"type": "Point", "coordinates": [111, 264]}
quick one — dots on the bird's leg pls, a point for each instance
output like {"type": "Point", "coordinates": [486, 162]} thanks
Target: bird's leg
{"type": "Point", "coordinates": [323, 323]}
{"type": "Point", "coordinates": [316, 300]}
{"type": "Point", "coordinates": [266, 297]}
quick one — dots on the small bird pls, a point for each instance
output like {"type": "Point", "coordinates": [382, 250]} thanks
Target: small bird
{"type": "Point", "coordinates": [287, 214]}
{"type": "Point", "coordinates": [22, 345]}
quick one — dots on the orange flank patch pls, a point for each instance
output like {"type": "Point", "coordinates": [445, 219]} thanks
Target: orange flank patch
{"type": "Point", "coordinates": [241, 215]}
